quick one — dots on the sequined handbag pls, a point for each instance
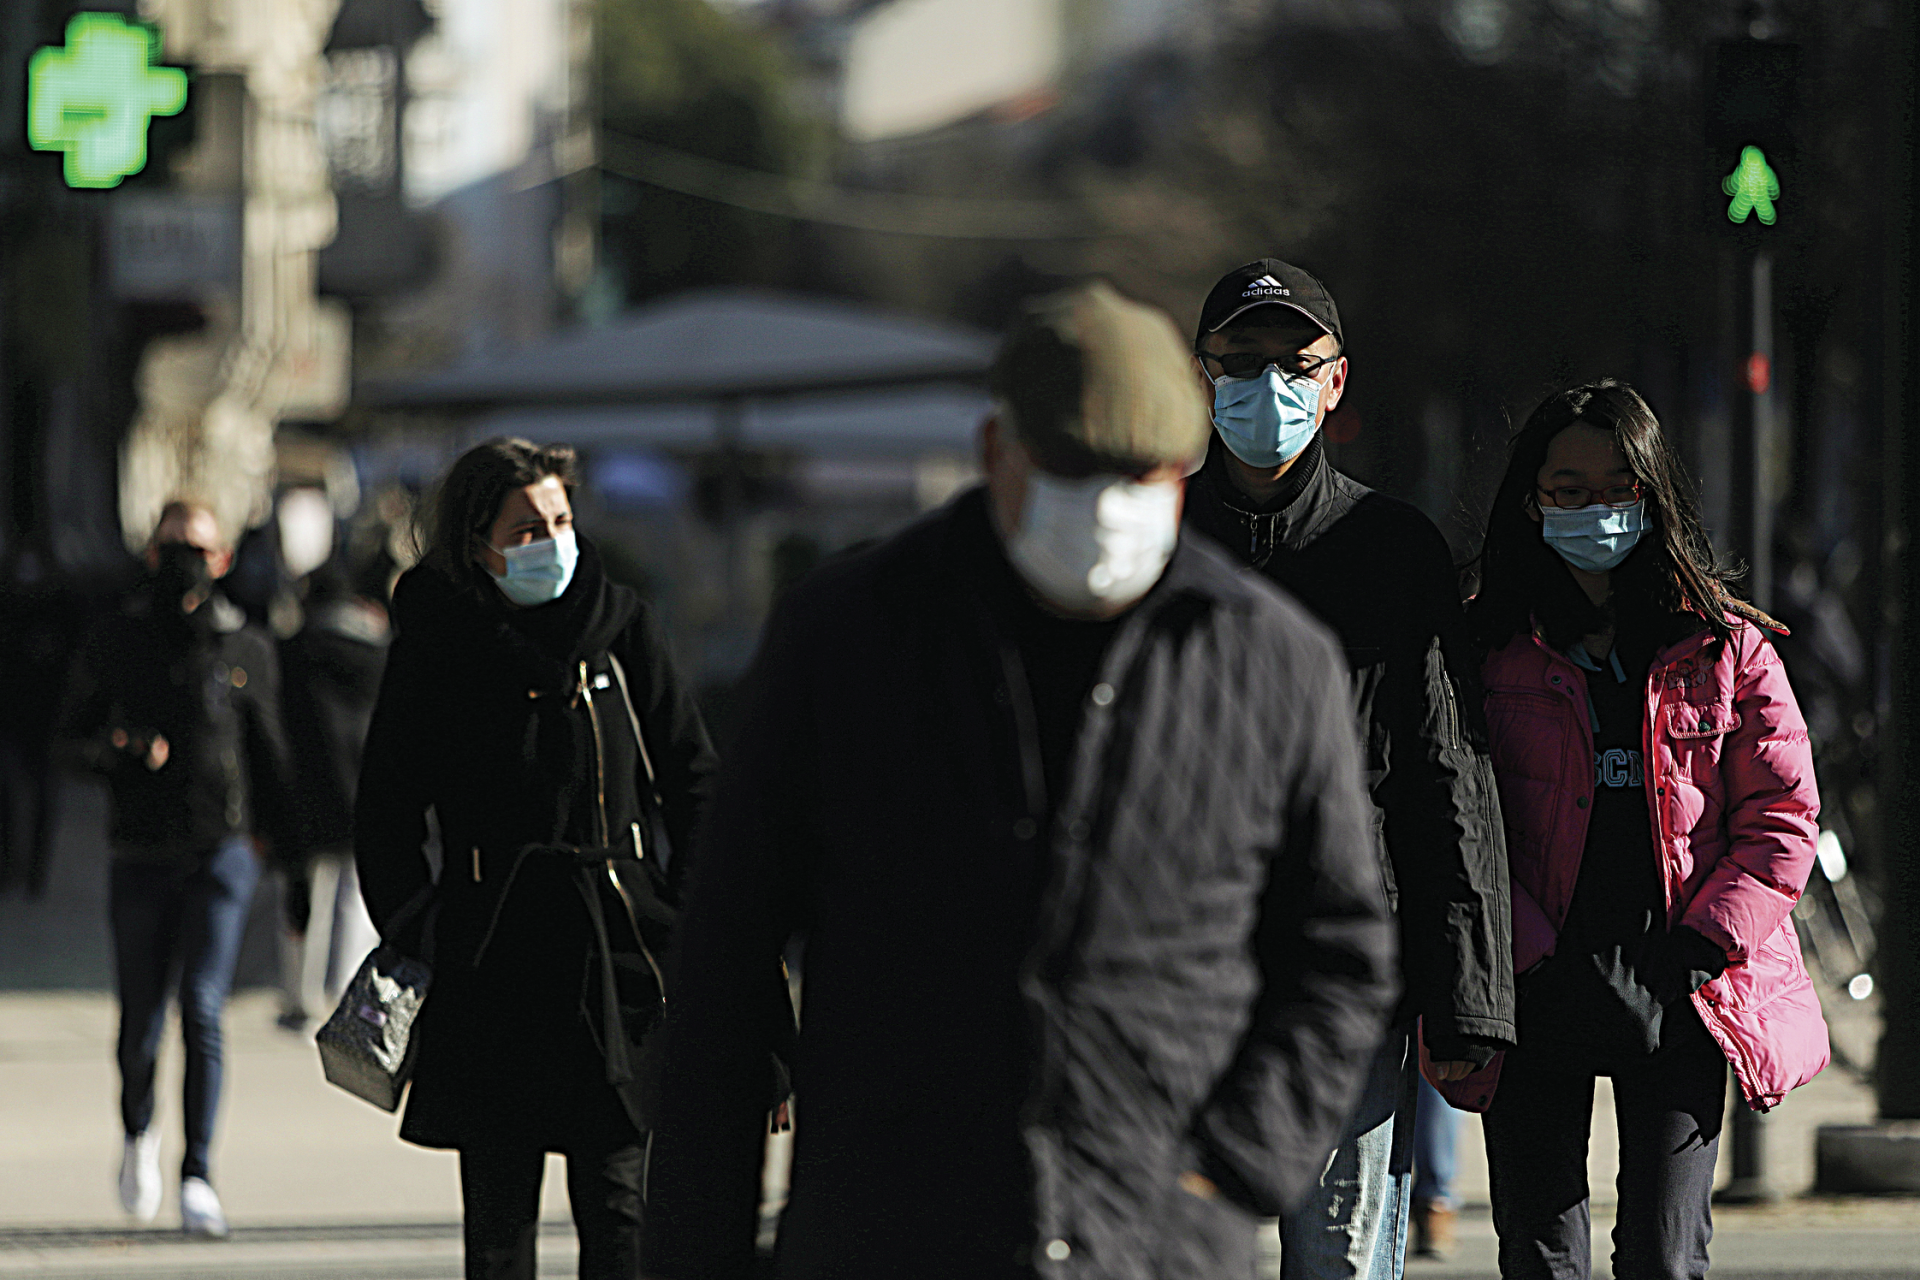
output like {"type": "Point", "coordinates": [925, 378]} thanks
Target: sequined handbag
{"type": "Point", "coordinates": [368, 1046]}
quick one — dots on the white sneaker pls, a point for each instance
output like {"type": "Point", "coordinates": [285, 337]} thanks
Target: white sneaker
{"type": "Point", "coordinates": [140, 1176]}
{"type": "Point", "coordinates": [200, 1213]}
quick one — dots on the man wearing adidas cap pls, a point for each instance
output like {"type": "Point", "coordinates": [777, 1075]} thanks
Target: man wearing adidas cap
{"type": "Point", "coordinates": [1270, 348]}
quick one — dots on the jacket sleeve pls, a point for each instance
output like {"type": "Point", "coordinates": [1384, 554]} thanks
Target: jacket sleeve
{"type": "Point", "coordinates": [81, 727]}
{"type": "Point", "coordinates": [394, 793]}
{"type": "Point", "coordinates": [755, 864]}
{"type": "Point", "coordinates": [1444, 832]}
{"type": "Point", "coordinates": [1325, 942]}
{"type": "Point", "coordinates": [682, 754]}
{"type": "Point", "coordinates": [1772, 811]}
{"type": "Point", "coordinates": [269, 759]}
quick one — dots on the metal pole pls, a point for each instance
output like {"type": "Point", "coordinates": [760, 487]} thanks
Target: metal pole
{"type": "Point", "coordinates": [1752, 445]}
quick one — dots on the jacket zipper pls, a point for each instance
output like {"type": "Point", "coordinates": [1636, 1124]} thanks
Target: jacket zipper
{"type": "Point", "coordinates": [599, 752]}
{"type": "Point", "coordinates": [613, 876]}
{"type": "Point", "coordinates": [1453, 705]}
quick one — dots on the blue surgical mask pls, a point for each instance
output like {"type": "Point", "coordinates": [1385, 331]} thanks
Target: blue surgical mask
{"type": "Point", "coordinates": [538, 572]}
{"type": "Point", "coordinates": [1595, 538]}
{"type": "Point", "coordinates": [1268, 420]}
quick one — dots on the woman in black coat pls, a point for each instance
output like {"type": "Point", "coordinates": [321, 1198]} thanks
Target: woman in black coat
{"type": "Point", "coordinates": [530, 704]}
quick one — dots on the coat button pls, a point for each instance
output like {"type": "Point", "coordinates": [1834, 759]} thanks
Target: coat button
{"type": "Point", "coordinates": [1102, 694]}
{"type": "Point", "coordinates": [1580, 802]}
{"type": "Point", "coordinates": [1024, 829]}
{"type": "Point", "coordinates": [1077, 830]}
{"type": "Point", "coordinates": [1058, 1251]}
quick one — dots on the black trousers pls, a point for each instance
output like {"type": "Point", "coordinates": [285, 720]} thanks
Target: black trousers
{"type": "Point", "coordinates": [1668, 1108]}
{"type": "Point", "coordinates": [500, 1197]}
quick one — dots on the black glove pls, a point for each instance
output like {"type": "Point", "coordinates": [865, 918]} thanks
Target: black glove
{"type": "Point", "coordinates": [1452, 1046]}
{"type": "Point", "coordinates": [1683, 962]}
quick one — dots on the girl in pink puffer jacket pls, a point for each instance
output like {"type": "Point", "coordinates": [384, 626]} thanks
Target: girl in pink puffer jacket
{"type": "Point", "coordinates": [1657, 788]}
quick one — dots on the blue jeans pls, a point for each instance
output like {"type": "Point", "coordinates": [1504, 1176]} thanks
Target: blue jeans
{"type": "Point", "coordinates": [1434, 1134]}
{"type": "Point", "coordinates": [1354, 1223]}
{"type": "Point", "coordinates": [189, 915]}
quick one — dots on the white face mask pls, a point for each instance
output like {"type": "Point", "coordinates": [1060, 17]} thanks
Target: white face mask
{"type": "Point", "coordinates": [1094, 546]}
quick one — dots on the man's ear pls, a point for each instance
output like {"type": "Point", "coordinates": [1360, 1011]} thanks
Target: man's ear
{"type": "Point", "coordinates": [990, 443]}
{"type": "Point", "coordinates": [1336, 383]}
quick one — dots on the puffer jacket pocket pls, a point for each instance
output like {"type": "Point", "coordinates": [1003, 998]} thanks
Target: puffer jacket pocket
{"type": "Point", "coordinates": [1695, 734]}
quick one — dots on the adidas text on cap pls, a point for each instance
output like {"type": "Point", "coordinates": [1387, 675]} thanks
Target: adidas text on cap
{"type": "Point", "coordinates": [1268, 282]}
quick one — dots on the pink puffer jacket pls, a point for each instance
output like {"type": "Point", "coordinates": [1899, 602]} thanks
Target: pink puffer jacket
{"type": "Point", "coordinates": [1731, 790]}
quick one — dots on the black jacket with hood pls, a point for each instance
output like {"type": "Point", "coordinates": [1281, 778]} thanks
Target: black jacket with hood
{"type": "Point", "coordinates": [508, 725]}
{"type": "Point", "coordinates": [991, 1081]}
{"type": "Point", "coordinates": [1378, 572]}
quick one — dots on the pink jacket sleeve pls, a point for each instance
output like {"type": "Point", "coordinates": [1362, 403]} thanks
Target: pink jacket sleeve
{"type": "Point", "coordinates": [1771, 807]}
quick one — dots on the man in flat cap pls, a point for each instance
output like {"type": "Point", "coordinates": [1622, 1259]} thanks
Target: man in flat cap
{"type": "Point", "coordinates": [1069, 813]}
{"type": "Point", "coordinates": [1376, 571]}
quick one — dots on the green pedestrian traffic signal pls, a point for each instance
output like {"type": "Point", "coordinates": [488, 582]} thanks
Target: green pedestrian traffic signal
{"type": "Point", "coordinates": [1754, 187]}
{"type": "Point", "coordinates": [94, 98]}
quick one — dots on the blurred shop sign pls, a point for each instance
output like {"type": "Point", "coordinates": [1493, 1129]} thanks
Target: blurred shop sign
{"type": "Point", "coordinates": [163, 247]}
{"type": "Point", "coordinates": [94, 98]}
{"type": "Point", "coordinates": [920, 64]}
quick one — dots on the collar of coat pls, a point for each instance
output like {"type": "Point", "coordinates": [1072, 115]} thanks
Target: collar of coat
{"type": "Point", "coordinates": [1218, 506]}
{"type": "Point", "coordinates": [542, 651]}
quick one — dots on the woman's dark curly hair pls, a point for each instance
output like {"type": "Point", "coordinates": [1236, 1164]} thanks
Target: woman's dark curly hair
{"type": "Point", "coordinates": [1673, 571]}
{"type": "Point", "coordinates": [467, 501]}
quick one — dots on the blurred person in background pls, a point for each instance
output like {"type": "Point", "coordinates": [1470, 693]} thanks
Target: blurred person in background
{"type": "Point", "coordinates": [175, 700]}
{"type": "Point", "coordinates": [1070, 815]}
{"type": "Point", "coordinates": [1436, 1135]}
{"type": "Point", "coordinates": [531, 704]}
{"type": "Point", "coordinates": [330, 677]}
{"type": "Point", "coordinates": [1656, 776]}
{"type": "Point", "coordinates": [40, 618]}
{"type": "Point", "coordinates": [1375, 570]}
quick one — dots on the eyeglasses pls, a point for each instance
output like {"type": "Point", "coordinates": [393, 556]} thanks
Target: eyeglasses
{"type": "Point", "coordinates": [1616, 495]}
{"type": "Point", "coordinates": [1239, 365]}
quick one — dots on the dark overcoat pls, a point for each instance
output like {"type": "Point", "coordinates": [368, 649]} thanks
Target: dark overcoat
{"type": "Point", "coordinates": [507, 725]}
{"type": "Point", "coordinates": [1198, 976]}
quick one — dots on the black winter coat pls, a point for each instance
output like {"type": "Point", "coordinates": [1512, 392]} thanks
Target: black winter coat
{"type": "Point", "coordinates": [984, 1082]}
{"type": "Point", "coordinates": [508, 725]}
{"type": "Point", "coordinates": [208, 683]}
{"type": "Point", "coordinates": [1377, 572]}
{"type": "Point", "coordinates": [330, 676]}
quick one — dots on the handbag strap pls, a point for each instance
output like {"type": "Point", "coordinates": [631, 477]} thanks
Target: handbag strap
{"type": "Point", "coordinates": [633, 718]}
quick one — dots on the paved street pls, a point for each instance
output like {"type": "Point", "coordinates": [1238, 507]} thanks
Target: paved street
{"type": "Point", "coordinates": [318, 1186]}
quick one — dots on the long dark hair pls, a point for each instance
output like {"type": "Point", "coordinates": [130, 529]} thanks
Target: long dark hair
{"type": "Point", "coordinates": [1671, 577]}
{"type": "Point", "coordinates": [467, 501]}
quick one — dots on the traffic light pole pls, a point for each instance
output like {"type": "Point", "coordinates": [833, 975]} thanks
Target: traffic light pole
{"type": "Point", "coordinates": [1751, 510]}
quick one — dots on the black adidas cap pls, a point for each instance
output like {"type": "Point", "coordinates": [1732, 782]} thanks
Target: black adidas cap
{"type": "Point", "coordinates": [1268, 282]}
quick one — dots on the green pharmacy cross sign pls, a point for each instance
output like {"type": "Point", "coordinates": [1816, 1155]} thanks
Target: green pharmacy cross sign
{"type": "Point", "coordinates": [94, 98]}
{"type": "Point", "coordinates": [1754, 187]}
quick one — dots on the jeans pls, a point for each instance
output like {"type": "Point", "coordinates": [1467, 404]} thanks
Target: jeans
{"type": "Point", "coordinates": [1668, 1109]}
{"type": "Point", "coordinates": [1435, 1131]}
{"type": "Point", "coordinates": [190, 915]}
{"type": "Point", "coordinates": [500, 1202]}
{"type": "Point", "coordinates": [1354, 1223]}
